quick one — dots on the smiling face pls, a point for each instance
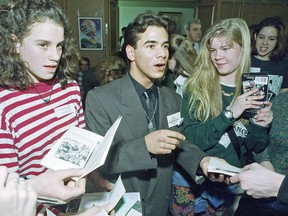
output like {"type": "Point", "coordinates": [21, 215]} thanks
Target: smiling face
{"type": "Point", "coordinates": [149, 59]}
{"type": "Point", "coordinates": [224, 56]}
{"type": "Point", "coordinates": [41, 50]}
{"type": "Point", "coordinates": [266, 41]}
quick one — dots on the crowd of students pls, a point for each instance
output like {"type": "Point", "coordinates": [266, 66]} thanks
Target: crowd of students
{"type": "Point", "coordinates": [40, 100]}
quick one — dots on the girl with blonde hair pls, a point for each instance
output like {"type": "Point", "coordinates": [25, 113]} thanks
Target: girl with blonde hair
{"type": "Point", "coordinates": [213, 104]}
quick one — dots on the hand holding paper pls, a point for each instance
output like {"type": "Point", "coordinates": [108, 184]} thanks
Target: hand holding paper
{"type": "Point", "coordinates": [109, 199]}
{"type": "Point", "coordinates": [217, 166]}
{"type": "Point", "coordinates": [80, 148]}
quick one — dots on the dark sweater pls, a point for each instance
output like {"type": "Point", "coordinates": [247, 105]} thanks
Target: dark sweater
{"type": "Point", "coordinates": [276, 151]}
{"type": "Point", "coordinates": [279, 68]}
{"type": "Point", "coordinates": [208, 135]}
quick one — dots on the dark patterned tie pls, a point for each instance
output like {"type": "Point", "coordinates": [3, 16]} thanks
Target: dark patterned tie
{"type": "Point", "coordinates": [151, 110]}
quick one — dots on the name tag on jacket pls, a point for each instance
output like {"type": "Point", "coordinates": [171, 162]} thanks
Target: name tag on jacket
{"type": "Point", "coordinates": [174, 119]}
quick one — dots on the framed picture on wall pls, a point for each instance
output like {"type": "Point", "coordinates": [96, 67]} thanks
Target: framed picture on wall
{"type": "Point", "coordinates": [90, 33]}
{"type": "Point", "coordinates": [176, 17]}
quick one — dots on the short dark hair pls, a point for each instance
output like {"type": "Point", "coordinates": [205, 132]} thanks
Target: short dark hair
{"type": "Point", "coordinates": [84, 59]}
{"type": "Point", "coordinates": [140, 24]}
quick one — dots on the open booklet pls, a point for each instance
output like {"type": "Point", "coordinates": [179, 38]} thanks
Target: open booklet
{"type": "Point", "coordinates": [103, 198]}
{"type": "Point", "coordinates": [80, 148]}
{"type": "Point", "coordinates": [217, 166]}
{"type": "Point", "coordinates": [129, 205]}
{"type": "Point", "coordinates": [123, 203]}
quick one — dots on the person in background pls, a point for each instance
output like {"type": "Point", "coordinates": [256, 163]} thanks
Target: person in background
{"type": "Point", "coordinates": [268, 51]}
{"type": "Point", "coordinates": [212, 107]}
{"type": "Point", "coordinates": [89, 82]}
{"type": "Point", "coordinates": [194, 33]}
{"type": "Point", "coordinates": [84, 65]}
{"type": "Point", "coordinates": [182, 56]}
{"type": "Point", "coordinates": [148, 141]}
{"type": "Point", "coordinates": [172, 25]}
{"type": "Point", "coordinates": [39, 98]}
{"type": "Point", "coordinates": [170, 76]}
{"type": "Point", "coordinates": [121, 38]}
{"type": "Point", "coordinates": [122, 47]}
{"type": "Point", "coordinates": [85, 78]}
{"type": "Point", "coordinates": [274, 157]}
{"type": "Point", "coordinates": [110, 69]}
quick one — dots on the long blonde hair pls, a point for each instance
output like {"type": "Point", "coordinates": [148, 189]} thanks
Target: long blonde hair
{"type": "Point", "coordinates": [203, 88]}
{"type": "Point", "coordinates": [184, 53]}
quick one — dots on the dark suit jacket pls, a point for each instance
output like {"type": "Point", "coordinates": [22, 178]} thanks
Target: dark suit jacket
{"type": "Point", "coordinates": [282, 194]}
{"type": "Point", "coordinates": [151, 175]}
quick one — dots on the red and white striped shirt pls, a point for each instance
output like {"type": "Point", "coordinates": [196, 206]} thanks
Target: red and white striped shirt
{"type": "Point", "coordinates": [29, 126]}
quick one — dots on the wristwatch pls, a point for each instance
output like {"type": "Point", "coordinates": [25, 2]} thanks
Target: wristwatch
{"type": "Point", "coordinates": [229, 115]}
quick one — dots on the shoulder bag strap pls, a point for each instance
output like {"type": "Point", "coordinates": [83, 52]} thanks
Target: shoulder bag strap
{"type": "Point", "coordinates": [235, 142]}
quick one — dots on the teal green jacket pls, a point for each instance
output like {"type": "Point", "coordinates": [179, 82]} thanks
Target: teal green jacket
{"type": "Point", "coordinates": [208, 135]}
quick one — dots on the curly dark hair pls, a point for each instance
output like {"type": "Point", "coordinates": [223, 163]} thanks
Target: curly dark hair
{"type": "Point", "coordinates": [16, 20]}
{"type": "Point", "coordinates": [279, 51]}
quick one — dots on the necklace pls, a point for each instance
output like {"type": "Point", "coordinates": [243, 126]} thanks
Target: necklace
{"type": "Point", "coordinates": [46, 100]}
{"type": "Point", "coordinates": [150, 124]}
